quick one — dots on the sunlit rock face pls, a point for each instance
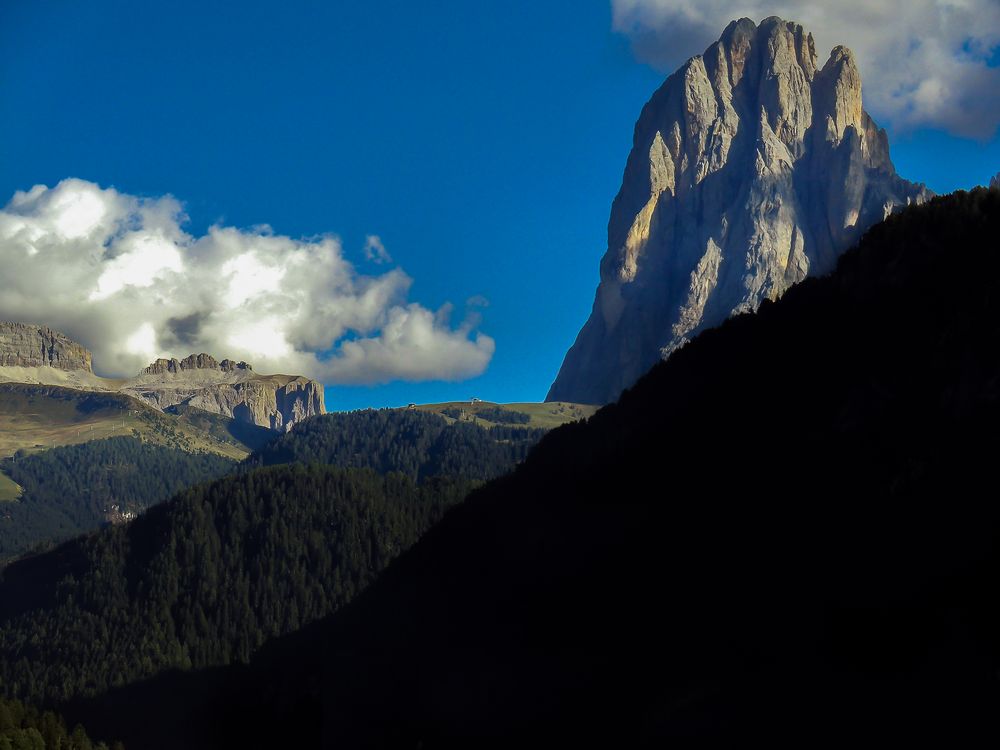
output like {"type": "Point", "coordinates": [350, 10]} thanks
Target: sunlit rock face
{"type": "Point", "coordinates": [24, 345]}
{"type": "Point", "coordinates": [229, 388]}
{"type": "Point", "coordinates": [752, 167]}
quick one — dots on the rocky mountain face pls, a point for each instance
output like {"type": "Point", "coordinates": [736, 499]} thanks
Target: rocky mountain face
{"type": "Point", "coordinates": [36, 354]}
{"type": "Point", "coordinates": [231, 389]}
{"type": "Point", "coordinates": [995, 182]}
{"type": "Point", "coordinates": [24, 345]}
{"type": "Point", "coordinates": [752, 167]}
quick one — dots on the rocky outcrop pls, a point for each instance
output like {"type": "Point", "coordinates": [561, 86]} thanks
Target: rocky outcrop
{"type": "Point", "coordinates": [228, 388]}
{"type": "Point", "coordinates": [995, 182]}
{"type": "Point", "coordinates": [268, 403]}
{"type": "Point", "coordinates": [25, 345]}
{"type": "Point", "coordinates": [194, 362]}
{"type": "Point", "coordinates": [39, 355]}
{"type": "Point", "coordinates": [752, 167]}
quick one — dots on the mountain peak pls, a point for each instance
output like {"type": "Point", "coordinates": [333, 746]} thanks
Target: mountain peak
{"type": "Point", "coordinates": [740, 28]}
{"type": "Point", "coordinates": [194, 362]}
{"type": "Point", "coordinates": [751, 168]}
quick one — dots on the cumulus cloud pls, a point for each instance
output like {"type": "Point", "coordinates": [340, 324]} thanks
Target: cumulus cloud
{"type": "Point", "coordinates": [375, 251]}
{"type": "Point", "coordinates": [923, 62]}
{"type": "Point", "coordinates": [121, 275]}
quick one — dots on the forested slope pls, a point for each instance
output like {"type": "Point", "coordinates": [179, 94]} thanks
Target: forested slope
{"type": "Point", "coordinates": [77, 488]}
{"type": "Point", "coordinates": [206, 578]}
{"type": "Point", "coordinates": [414, 443]}
{"type": "Point", "coordinates": [26, 728]}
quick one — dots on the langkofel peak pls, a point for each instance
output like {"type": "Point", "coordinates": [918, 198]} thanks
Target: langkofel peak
{"type": "Point", "coordinates": [751, 168]}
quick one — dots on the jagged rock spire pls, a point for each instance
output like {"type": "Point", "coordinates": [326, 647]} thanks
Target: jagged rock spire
{"type": "Point", "coordinates": [751, 168]}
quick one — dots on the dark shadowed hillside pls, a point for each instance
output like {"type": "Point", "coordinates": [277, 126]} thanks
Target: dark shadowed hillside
{"type": "Point", "coordinates": [787, 531]}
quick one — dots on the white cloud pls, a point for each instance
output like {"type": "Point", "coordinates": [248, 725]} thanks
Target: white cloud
{"type": "Point", "coordinates": [923, 62]}
{"type": "Point", "coordinates": [411, 346]}
{"type": "Point", "coordinates": [375, 251]}
{"type": "Point", "coordinates": [120, 274]}
{"type": "Point", "coordinates": [142, 342]}
{"type": "Point", "coordinates": [143, 258]}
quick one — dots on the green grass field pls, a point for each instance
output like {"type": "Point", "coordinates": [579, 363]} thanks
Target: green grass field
{"type": "Point", "coordinates": [545, 415]}
{"type": "Point", "coordinates": [9, 489]}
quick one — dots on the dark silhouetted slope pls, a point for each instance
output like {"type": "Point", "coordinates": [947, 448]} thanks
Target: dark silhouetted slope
{"type": "Point", "coordinates": [790, 528]}
{"type": "Point", "coordinates": [786, 531]}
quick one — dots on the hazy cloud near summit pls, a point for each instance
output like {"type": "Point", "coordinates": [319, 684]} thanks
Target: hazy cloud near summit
{"type": "Point", "coordinates": [923, 62]}
{"type": "Point", "coordinates": [119, 274]}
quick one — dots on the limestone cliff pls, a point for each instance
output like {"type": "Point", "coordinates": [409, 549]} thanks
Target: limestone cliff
{"type": "Point", "coordinates": [24, 345]}
{"type": "Point", "coordinates": [229, 388]}
{"type": "Point", "coordinates": [752, 167]}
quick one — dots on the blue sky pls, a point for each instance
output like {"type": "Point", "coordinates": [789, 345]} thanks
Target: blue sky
{"type": "Point", "coordinates": [481, 142]}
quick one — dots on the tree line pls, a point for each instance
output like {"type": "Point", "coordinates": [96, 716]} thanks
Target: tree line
{"type": "Point", "coordinates": [26, 728]}
{"type": "Point", "coordinates": [414, 443]}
